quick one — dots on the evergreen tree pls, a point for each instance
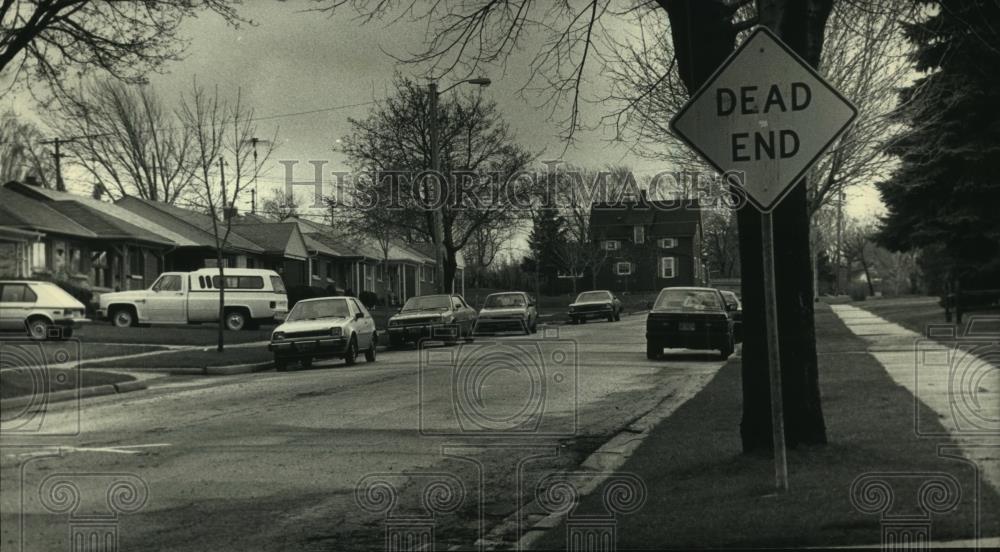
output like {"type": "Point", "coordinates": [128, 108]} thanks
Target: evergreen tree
{"type": "Point", "coordinates": [548, 231]}
{"type": "Point", "coordinates": [944, 194]}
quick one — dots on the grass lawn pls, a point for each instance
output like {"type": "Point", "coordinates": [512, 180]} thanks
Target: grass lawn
{"type": "Point", "coordinates": [193, 359]}
{"type": "Point", "coordinates": [703, 492]}
{"type": "Point", "coordinates": [915, 313]}
{"type": "Point", "coordinates": [21, 382]}
{"type": "Point", "coordinates": [193, 334]}
{"type": "Point", "coordinates": [47, 353]}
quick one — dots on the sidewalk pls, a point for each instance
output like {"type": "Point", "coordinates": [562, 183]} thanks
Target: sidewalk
{"type": "Point", "coordinates": [701, 491]}
{"type": "Point", "coordinates": [953, 377]}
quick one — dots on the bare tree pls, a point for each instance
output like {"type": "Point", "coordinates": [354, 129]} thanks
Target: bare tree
{"type": "Point", "coordinates": [42, 40]}
{"type": "Point", "coordinates": [478, 156]}
{"type": "Point", "coordinates": [127, 140]}
{"type": "Point", "coordinates": [485, 244]}
{"type": "Point", "coordinates": [21, 154]}
{"type": "Point", "coordinates": [280, 206]}
{"type": "Point", "coordinates": [721, 242]}
{"type": "Point", "coordinates": [859, 249]}
{"type": "Point", "coordinates": [225, 166]}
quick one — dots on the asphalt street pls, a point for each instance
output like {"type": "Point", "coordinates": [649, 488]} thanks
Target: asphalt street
{"type": "Point", "coordinates": [441, 441]}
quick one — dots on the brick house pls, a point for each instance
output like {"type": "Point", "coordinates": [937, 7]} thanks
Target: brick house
{"type": "Point", "coordinates": [648, 245]}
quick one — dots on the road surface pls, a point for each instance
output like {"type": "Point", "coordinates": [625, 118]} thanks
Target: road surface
{"type": "Point", "coordinates": [446, 442]}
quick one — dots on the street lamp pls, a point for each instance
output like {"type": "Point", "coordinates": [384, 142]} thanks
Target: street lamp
{"type": "Point", "coordinates": [438, 215]}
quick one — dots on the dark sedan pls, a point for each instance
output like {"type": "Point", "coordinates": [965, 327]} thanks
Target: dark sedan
{"type": "Point", "coordinates": [595, 304]}
{"type": "Point", "coordinates": [689, 318]}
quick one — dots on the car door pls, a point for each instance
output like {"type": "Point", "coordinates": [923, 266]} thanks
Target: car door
{"type": "Point", "coordinates": [16, 301]}
{"type": "Point", "coordinates": [364, 326]}
{"type": "Point", "coordinates": [166, 302]}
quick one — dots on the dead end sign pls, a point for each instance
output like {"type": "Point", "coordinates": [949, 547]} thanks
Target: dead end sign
{"type": "Point", "coordinates": [764, 113]}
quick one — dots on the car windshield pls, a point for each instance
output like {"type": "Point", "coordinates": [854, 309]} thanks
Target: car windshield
{"type": "Point", "coordinates": [428, 302]}
{"type": "Point", "coordinates": [588, 296]}
{"type": "Point", "coordinates": [314, 310]}
{"type": "Point", "coordinates": [688, 300]}
{"type": "Point", "coordinates": [504, 300]}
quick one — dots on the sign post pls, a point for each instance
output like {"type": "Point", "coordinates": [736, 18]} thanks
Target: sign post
{"type": "Point", "coordinates": [773, 355]}
{"type": "Point", "coordinates": [766, 116]}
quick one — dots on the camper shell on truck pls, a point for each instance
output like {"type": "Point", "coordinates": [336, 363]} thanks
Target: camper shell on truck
{"type": "Point", "coordinates": [252, 296]}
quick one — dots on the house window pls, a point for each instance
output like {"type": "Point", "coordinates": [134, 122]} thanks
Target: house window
{"type": "Point", "coordinates": [369, 284]}
{"type": "Point", "coordinates": [668, 243]}
{"type": "Point", "coordinates": [428, 274]}
{"type": "Point", "coordinates": [668, 267]}
{"type": "Point", "coordinates": [38, 257]}
{"type": "Point", "coordinates": [623, 268]}
{"type": "Point", "coordinates": [75, 261]}
{"type": "Point", "coordinates": [611, 245]}
{"type": "Point", "coordinates": [639, 234]}
{"type": "Point", "coordinates": [329, 270]}
{"type": "Point", "coordinates": [314, 267]}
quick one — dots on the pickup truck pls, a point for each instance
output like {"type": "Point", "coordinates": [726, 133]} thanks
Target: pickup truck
{"type": "Point", "coordinates": [252, 296]}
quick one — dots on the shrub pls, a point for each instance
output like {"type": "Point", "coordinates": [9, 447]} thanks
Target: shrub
{"type": "Point", "coordinates": [369, 299]}
{"type": "Point", "coordinates": [858, 292]}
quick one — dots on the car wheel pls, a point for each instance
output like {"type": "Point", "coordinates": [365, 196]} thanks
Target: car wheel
{"type": "Point", "coordinates": [236, 320]}
{"type": "Point", "coordinates": [370, 353]}
{"type": "Point", "coordinates": [653, 350]}
{"type": "Point", "coordinates": [305, 363]}
{"type": "Point", "coordinates": [38, 328]}
{"type": "Point", "coordinates": [123, 318]}
{"type": "Point", "coordinates": [280, 364]}
{"type": "Point", "coordinates": [727, 349]}
{"type": "Point", "coordinates": [351, 355]}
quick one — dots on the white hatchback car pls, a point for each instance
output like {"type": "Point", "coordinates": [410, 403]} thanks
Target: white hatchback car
{"type": "Point", "coordinates": [324, 327]}
{"type": "Point", "coordinates": [42, 309]}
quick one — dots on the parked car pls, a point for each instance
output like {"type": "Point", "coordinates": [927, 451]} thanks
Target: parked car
{"type": "Point", "coordinates": [440, 317]}
{"type": "Point", "coordinates": [595, 304]}
{"type": "Point", "coordinates": [41, 309]}
{"type": "Point", "coordinates": [735, 308]}
{"type": "Point", "coordinates": [508, 311]}
{"type": "Point", "coordinates": [326, 327]}
{"type": "Point", "coordinates": [252, 296]}
{"type": "Point", "coordinates": [689, 318]}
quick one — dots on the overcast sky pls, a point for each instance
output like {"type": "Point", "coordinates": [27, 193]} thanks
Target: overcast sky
{"type": "Point", "coordinates": [293, 61]}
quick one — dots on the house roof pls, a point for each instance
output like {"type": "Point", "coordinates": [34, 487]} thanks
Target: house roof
{"type": "Point", "coordinates": [105, 225]}
{"type": "Point", "coordinates": [672, 217]}
{"type": "Point", "coordinates": [104, 218]}
{"type": "Point", "coordinates": [273, 237]}
{"type": "Point", "coordinates": [193, 226]}
{"type": "Point", "coordinates": [20, 211]}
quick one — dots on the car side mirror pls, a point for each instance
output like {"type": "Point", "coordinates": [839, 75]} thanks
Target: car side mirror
{"type": "Point", "coordinates": [359, 316]}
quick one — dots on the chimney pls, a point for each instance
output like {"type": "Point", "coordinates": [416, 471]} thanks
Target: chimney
{"type": "Point", "coordinates": [229, 213]}
{"type": "Point", "coordinates": [31, 180]}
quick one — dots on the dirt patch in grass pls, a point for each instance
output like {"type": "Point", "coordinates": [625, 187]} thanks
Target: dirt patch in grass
{"type": "Point", "coordinates": [198, 358]}
{"type": "Point", "coordinates": [20, 382]}
{"type": "Point", "coordinates": [702, 491]}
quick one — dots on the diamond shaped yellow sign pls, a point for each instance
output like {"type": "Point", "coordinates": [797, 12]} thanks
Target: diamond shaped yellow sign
{"type": "Point", "coordinates": [764, 113]}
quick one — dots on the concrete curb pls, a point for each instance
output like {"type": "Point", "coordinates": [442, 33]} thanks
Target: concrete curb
{"type": "Point", "coordinates": [15, 403]}
{"type": "Point", "coordinates": [602, 463]}
{"type": "Point", "coordinates": [233, 369]}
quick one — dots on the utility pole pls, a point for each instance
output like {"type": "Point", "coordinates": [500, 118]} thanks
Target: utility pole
{"type": "Point", "coordinates": [840, 237]}
{"type": "Point", "coordinates": [438, 213]}
{"type": "Point", "coordinates": [253, 141]}
{"type": "Point", "coordinates": [57, 156]}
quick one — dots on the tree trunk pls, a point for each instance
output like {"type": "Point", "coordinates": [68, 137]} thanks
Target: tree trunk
{"type": "Point", "coordinates": [450, 269]}
{"type": "Point", "coordinates": [703, 38]}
